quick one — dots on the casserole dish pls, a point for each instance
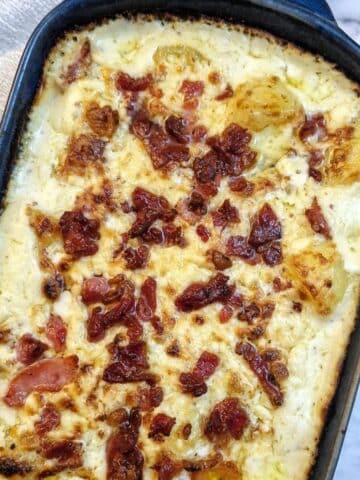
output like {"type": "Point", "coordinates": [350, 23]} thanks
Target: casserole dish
{"type": "Point", "coordinates": [294, 23]}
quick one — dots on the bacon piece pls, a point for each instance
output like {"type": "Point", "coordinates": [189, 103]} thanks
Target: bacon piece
{"type": "Point", "coordinates": [146, 305]}
{"type": "Point", "coordinates": [220, 261]}
{"type": "Point", "coordinates": [10, 467]}
{"type": "Point", "coordinates": [225, 214]}
{"type": "Point", "coordinates": [129, 364]}
{"type": "Point", "coordinates": [259, 367]}
{"type": "Point", "coordinates": [80, 234]}
{"type": "Point", "coordinates": [191, 90]}
{"type": "Point", "coordinates": [49, 375]}
{"type": "Point", "coordinates": [227, 93]}
{"type": "Point", "coordinates": [173, 349]}
{"type": "Point", "coordinates": [99, 289]}
{"type": "Point", "coordinates": [238, 246]}
{"type": "Point", "coordinates": [161, 426]}
{"type": "Point", "coordinates": [56, 332]}
{"type": "Point", "coordinates": [66, 452]}
{"type": "Point", "coordinates": [315, 160]}
{"type": "Point", "coordinates": [136, 258]}
{"type": "Point", "coordinates": [178, 128]}
{"type": "Point", "coordinates": [194, 382]}
{"type": "Point", "coordinates": [315, 174]}
{"type": "Point", "coordinates": [242, 185]}
{"type": "Point", "coordinates": [99, 321]}
{"type": "Point", "coordinates": [123, 81]}
{"type": "Point", "coordinates": [168, 235]}
{"type": "Point", "coordinates": [161, 147]}
{"type": "Point", "coordinates": [29, 349]}
{"type": "Point", "coordinates": [201, 294]}
{"type": "Point", "coordinates": [150, 398]}
{"type": "Point", "coordinates": [49, 420]}
{"type": "Point", "coordinates": [83, 151]}
{"type": "Point", "coordinates": [203, 233]}
{"type": "Point", "coordinates": [166, 468]}
{"type": "Point", "coordinates": [265, 227]}
{"type": "Point", "coordinates": [225, 313]}
{"type": "Point", "coordinates": [53, 286]}
{"type": "Point", "coordinates": [317, 220]}
{"type": "Point", "coordinates": [232, 149]}
{"type": "Point", "coordinates": [102, 120]}
{"type": "Point", "coordinates": [94, 290]}
{"type": "Point", "coordinates": [314, 127]}
{"type": "Point", "coordinates": [149, 207]}
{"type": "Point", "coordinates": [186, 431]}
{"type": "Point", "coordinates": [227, 417]}
{"type": "Point", "coordinates": [124, 459]}
{"type": "Point", "coordinates": [82, 62]}
{"type": "Point", "coordinates": [205, 168]}
{"type": "Point", "coordinates": [271, 253]}
{"type": "Point", "coordinates": [134, 328]}
{"type": "Point", "coordinates": [197, 204]}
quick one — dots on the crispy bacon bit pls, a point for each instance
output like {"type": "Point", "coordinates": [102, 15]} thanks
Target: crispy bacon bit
{"type": "Point", "coordinates": [271, 253]}
{"type": "Point", "coordinates": [199, 133]}
{"type": "Point", "coordinates": [80, 234]}
{"type": "Point", "coordinates": [297, 306]}
{"type": "Point", "coordinates": [173, 349]}
{"type": "Point", "coordinates": [146, 305]}
{"type": "Point", "coordinates": [49, 375]}
{"type": "Point", "coordinates": [201, 294]}
{"type": "Point", "coordinates": [99, 321]}
{"type": "Point", "coordinates": [161, 426]}
{"type": "Point", "coordinates": [238, 246]}
{"type": "Point", "coordinates": [227, 417]}
{"type": "Point", "coordinates": [49, 420]}
{"type": "Point", "coordinates": [249, 311]}
{"type": "Point", "coordinates": [313, 128]}
{"type": "Point", "coordinates": [66, 452]}
{"type": "Point", "coordinates": [227, 93]}
{"type": "Point", "coordinates": [150, 398]}
{"type": "Point", "coordinates": [317, 220]}
{"type": "Point", "coordinates": [186, 431]}
{"type": "Point", "coordinates": [232, 150]}
{"type": "Point", "coordinates": [279, 286]}
{"type": "Point", "coordinates": [316, 158]}
{"type": "Point", "coordinates": [315, 174]}
{"type": "Point", "coordinates": [205, 168]}
{"type": "Point", "coordinates": [29, 349]}
{"type": "Point", "coordinates": [99, 289]}
{"type": "Point", "coordinates": [199, 320]}
{"type": "Point", "coordinates": [10, 467]}
{"type": "Point", "coordinates": [225, 214]}
{"type": "Point", "coordinates": [53, 286]}
{"type": "Point", "coordinates": [259, 367]}
{"type": "Point", "coordinates": [242, 185]}
{"type": "Point", "coordinates": [134, 328]}
{"type": "Point", "coordinates": [129, 364]}
{"type": "Point", "coordinates": [173, 235]}
{"type": "Point", "coordinates": [124, 459]}
{"type": "Point", "coordinates": [265, 227]}
{"type": "Point", "coordinates": [81, 63]}
{"type": "Point", "coordinates": [162, 147]}
{"type": "Point", "coordinates": [43, 225]}
{"type": "Point", "coordinates": [56, 332]}
{"type": "Point", "coordinates": [149, 207]}
{"type": "Point", "coordinates": [178, 128]}
{"type": "Point", "coordinates": [102, 120]}
{"type": "Point", "coordinates": [279, 370]}
{"type": "Point", "coordinates": [84, 150]}
{"type": "Point", "coordinates": [220, 261]}
{"type": "Point", "coordinates": [157, 324]}
{"type": "Point", "coordinates": [123, 81]}
{"type": "Point", "coordinates": [94, 290]}
{"type": "Point", "coordinates": [166, 468]}
{"type": "Point", "coordinates": [203, 233]}
{"type": "Point", "coordinates": [136, 258]}
{"type": "Point", "coordinates": [214, 78]}
{"type": "Point", "coordinates": [191, 90]}
{"type": "Point", "coordinates": [197, 204]}
{"type": "Point", "coordinates": [194, 381]}
{"type": "Point", "coordinates": [225, 313]}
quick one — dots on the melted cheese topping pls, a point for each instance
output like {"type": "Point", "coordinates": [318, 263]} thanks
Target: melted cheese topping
{"type": "Point", "coordinates": [280, 443]}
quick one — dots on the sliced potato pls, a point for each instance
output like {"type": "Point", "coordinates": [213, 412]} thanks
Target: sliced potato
{"type": "Point", "coordinates": [263, 102]}
{"type": "Point", "coordinates": [178, 55]}
{"type": "Point", "coordinates": [343, 161]}
{"type": "Point", "coordinates": [318, 272]}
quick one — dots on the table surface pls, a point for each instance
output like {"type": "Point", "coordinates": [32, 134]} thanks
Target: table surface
{"type": "Point", "coordinates": [17, 21]}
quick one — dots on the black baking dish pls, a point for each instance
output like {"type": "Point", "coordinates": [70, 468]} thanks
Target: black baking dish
{"type": "Point", "coordinates": [307, 23]}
